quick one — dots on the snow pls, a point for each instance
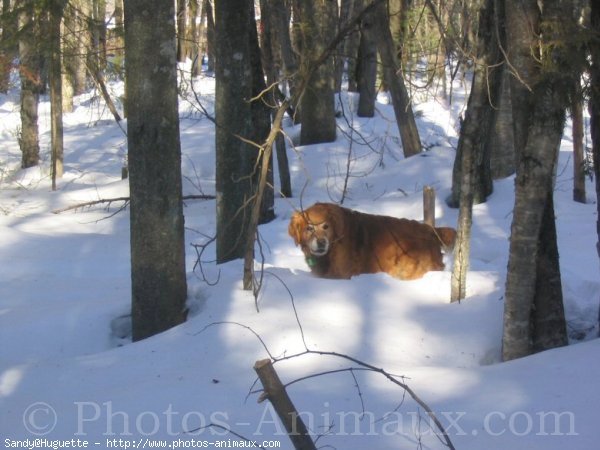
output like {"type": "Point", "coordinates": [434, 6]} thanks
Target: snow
{"type": "Point", "coordinates": [69, 371]}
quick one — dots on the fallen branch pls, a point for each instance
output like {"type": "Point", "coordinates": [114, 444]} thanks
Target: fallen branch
{"type": "Point", "coordinates": [123, 199]}
{"type": "Point", "coordinates": [275, 392]}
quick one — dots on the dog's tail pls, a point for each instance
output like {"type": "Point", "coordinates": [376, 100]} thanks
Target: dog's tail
{"type": "Point", "coordinates": [447, 237]}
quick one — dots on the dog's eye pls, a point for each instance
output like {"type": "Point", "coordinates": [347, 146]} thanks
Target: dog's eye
{"type": "Point", "coordinates": [325, 226]}
{"type": "Point", "coordinates": [310, 228]}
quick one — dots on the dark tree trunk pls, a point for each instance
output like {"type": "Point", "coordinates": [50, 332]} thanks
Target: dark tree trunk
{"type": "Point", "coordinates": [534, 314]}
{"type": "Point", "coordinates": [317, 104]}
{"type": "Point", "coordinates": [29, 71]}
{"type": "Point", "coordinates": [472, 162]}
{"type": "Point", "coordinates": [280, 20]}
{"type": "Point", "coordinates": [409, 134]}
{"type": "Point", "coordinates": [261, 119]}
{"type": "Point", "coordinates": [476, 129]}
{"type": "Point", "coordinates": [98, 54]}
{"type": "Point", "coordinates": [236, 82]}
{"type": "Point", "coordinates": [502, 141]}
{"type": "Point", "coordinates": [269, 49]}
{"type": "Point", "coordinates": [366, 70]}
{"type": "Point", "coordinates": [158, 272]}
{"type": "Point", "coordinates": [210, 34]}
{"type": "Point", "coordinates": [349, 48]}
{"type": "Point", "coordinates": [522, 29]}
{"type": "Point", "coordinates": [578, 153]}
{"type": "Point", "coordinates": [548, 317]}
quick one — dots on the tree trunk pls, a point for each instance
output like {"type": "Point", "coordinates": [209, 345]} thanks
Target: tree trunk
{"type": "Point", "coordinates": [366, 70]}
{"type": "Point", "coordinates": [502, 141]}
{"type": "Point", "coordinates": [281, 38]}
{"type": "Point", "coordinates": [534, 313]}
{"type": "Point", "coordinates": [55, 81]}
{"type": "Point", "coordinates": [548, 316]}
{"type": "Point", "coordinates": [181, 30]}
{"type": "Point", "coordinates": [210, 34]}
{"type": "Point", "coordinates": [532, 247]}
{"type": "Point", "coordinates": [236, 158]}
{"type": "Point", "coordinates": [29, 72]}
{"type": "Point", "coordinates": [398, 13]}
{"type": "Point", "coordinates": [98, 53]}
{"type": "Point", "coordinates": [118, 33]}
{"type": "Point", "coordinates": [409, 134]}
{"type": "Point", "coordinates": [578, 153]}
{"type": "Point", "coordinates": [82, 60]}
{"type": "Point", "coordinates": [349, 48]}
{"type": "Point", "coordinates": [478, 124]}
{"type": "Point", "coordinates": [197, 30]}
{"type": "Point", "coordinates": [471, 166]}
{"type": "Point", "coordinates": [317, 104]}
{"type": "Point", "coordinates": [158, 272]}
{"type": "Point", "coordinates": [261, 120]}
{"type": "Point", "coordinates": [8, 48]}
{"type": "Point", "coordinates": [69, 43]}
{"type": "Point", "coordinates": [269, 49]}
{"type": "Point", "coordinates": [522, 29]}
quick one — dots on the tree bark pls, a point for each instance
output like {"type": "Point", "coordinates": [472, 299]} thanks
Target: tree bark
{"type": "Point", "coordinates": [317, 104]}
{"type": "Point", "coordinates": [578, 153]}
{"type": "Point", "coordinates": [471, 176]}
{"type": "Point", "coordinates": [280, 20]}
{"type": "Point", "coordinates": [55, 81]}
{"type": "Point", "coordinates": [502, 141]}
{"type": "Point", "coordinates": [158, 272]}
{"type": "Point", "coordinates": [261, 120]}
{"type": "Point", "coordinates": [8, 48]}
{"type": "Point", "coordinates": [210, 34]}
{"type": "Point", "coordinates": [476, 129]}
{"type": "Point", "coordinates": [197, 30]}
{"type": "Point", "coordinates": [182, 46]}
{"type": "Point", "coordinates": [366, 70]}
{"type": "Point", "coordinates": [98, 54]}
{"type": "Point", "coordinates": [236, 156]}
{"type": "Point", "coordinates": [29, 72]}
{"type": "Point", "coordinates": [349, 47]}
{"type": "Point", "coordinates": [269, 49]}
{"type": "Point", "coordinates": [409, 134]}
{"type": "Point", "coordinates": [534, 314]}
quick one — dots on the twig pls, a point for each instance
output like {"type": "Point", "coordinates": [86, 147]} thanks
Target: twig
{"type": "Point", "coordinates": [124, 199]}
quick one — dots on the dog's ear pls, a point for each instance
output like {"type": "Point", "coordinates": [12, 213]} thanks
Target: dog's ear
{"type": "Point", "coordinates": [295, 227]}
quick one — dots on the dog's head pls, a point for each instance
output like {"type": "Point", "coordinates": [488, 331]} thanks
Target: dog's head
{"type": "Point", "coordinates": [314, 229]}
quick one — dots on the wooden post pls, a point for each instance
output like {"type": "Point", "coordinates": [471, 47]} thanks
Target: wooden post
{"type": "Point", "coordinates": [429, 205]}
{"type": "Point", "coordinates": [275, 392]}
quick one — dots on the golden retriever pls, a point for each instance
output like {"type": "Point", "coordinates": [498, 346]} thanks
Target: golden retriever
{"type": "Point", "coordinates": [339, 243]}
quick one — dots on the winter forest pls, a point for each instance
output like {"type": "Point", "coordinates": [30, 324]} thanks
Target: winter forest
{"type": "Point", "coordinates": [155, 154]}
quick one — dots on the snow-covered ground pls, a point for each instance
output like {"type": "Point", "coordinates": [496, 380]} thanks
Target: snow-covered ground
{"type": "Point", "coordinates": [67, 371]}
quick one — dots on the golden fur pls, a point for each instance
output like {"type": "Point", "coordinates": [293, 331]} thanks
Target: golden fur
{"type": "Point", "coordinates": [340, 243]}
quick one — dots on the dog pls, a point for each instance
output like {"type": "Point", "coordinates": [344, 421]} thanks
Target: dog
{"type": "Point", "coordinates": [338, 242]}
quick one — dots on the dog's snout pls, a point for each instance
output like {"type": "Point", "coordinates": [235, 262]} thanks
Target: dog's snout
{"type": "Point", "coordinates": [319, 246]}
